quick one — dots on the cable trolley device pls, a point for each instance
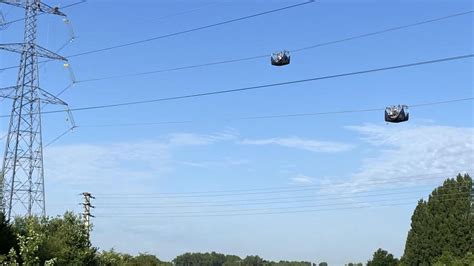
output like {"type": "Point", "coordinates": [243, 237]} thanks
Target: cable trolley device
{"type": "Point", "coordinates": [281, 58]}
{"type": "Point", "coordinates": [396, 114]}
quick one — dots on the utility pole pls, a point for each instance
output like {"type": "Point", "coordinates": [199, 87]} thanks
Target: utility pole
{"type": "Point", "coordinates": [22, 177]}
{"type": "Point", "coordinates": [87, 211]}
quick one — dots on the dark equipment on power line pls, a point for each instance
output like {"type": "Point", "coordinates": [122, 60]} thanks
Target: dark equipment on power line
{"type": "Point", "coordinates": [281, 58]}
{"type": "Point", "coordinates": [396, 114]}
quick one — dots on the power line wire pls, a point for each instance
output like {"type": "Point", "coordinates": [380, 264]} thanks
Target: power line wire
{"type": "Point", "coordinates": [191, 30]}
{"type": "Point", "coordinates": [250, 201]}
{"type": "Point", "coordinates": [291, 201]}
{"type": "Point", "coordinates": [376, 109]}
{"type": "Point", "coordinates": [448, 195]}
{"type": "Point", "coordinates": [338, 184]}
{"type": "Point", "coordinates": [360, 36]}
{"type": "Point", "coordinates": [227, 193]}
{"type": "Point", "coordinates": [347, 74]}
{"type": "Point", "coordinates": [252, 118]}
{"type": "Point", "coordinates": [247, 214]}
{"type": "Point", "coordinates": [269, 210]}
{"type": "Point", "coordinates": [60, 136]}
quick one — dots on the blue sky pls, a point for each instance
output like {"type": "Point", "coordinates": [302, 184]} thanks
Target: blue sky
{"type": "Point", "coordinates": [215, 153]}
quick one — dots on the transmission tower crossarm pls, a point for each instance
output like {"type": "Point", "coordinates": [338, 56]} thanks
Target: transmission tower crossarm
{"type": "Point", "coordinates": [48, 98]}
{"type": "Point", "coordinates": [42, 7]}
{"type": "Point", "coordinates": [40, 51]}
{"type": "Point", "coordinates": [8, 92]}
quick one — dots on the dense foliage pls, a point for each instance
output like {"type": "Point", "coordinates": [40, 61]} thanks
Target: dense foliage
{"type": "Point", "coordinates": [443, 224]}
{"type": "Point", "coordinates": [382, 258]}
{"type": "Point", "coordinates": [62, 240]}
{"type": "Point", "coordinates": [211, 259]}
{"type": "Point", "coordinates": [7, 236]}
{"type": "Point", "coordinates": [217, 259]}
{"type": "Point", "coordinates": [112, 258]}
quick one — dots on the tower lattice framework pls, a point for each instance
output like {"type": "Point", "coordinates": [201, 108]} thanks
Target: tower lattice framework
{"type": "Point", "coordinates": [22, 178]}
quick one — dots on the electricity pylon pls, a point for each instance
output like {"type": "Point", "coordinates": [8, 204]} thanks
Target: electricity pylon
{"type": "Point", "coordinates": [22, 177]}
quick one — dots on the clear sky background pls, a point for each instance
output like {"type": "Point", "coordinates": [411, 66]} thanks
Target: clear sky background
{"type": "Point", "coordinates": [129, 168]}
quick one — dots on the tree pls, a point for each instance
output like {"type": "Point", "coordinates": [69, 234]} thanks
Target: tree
{"type": "Point", "coordinates": [442, 224]}
{"type": "Point", "coordinates": [209, 259]}
{"type": "Point", "coordinates": [323, 264]}
{"type": "Point", "coordinates": [111, 258]}
{"type": "Point", "coordinates": [232, 260]}
{"type": "Point", "coordinates": [7, 236]}
{"type": "Point", "coordinates": [252, 261]}
{"type": "Point", "coordinates": [64, 239]}
{"type": "Point", "coordinates": [30, 243]}
{"type": "Point", "coordinates": [448, 259]}
{"type": "Point", "coordinates": [68, 240]}
{"type": "Point", "coordinates": [382, 258]}
{"type": "Point", "coordinates": [468, 259]}
{"type": "Point", "coordinates": [144, 259]}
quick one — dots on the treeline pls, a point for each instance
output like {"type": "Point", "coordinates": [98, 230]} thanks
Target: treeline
{"type": "Point", "coordinates": [216, 259]}
{"type": "Point", "coordinates": [442, 233]}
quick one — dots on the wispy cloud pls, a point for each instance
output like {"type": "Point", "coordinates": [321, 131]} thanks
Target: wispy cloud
{"type": "Point", "coordinates": [224, 162]}
{"type": "Point", "coordinates": [302, 179]}
{"type": "Point", "coordinates": [126, 160]}
{"type": "Point", "coordinates": [415, 150]}
{"type": "Point", "coordinates": [189, 139]}
{"type": "Point", "coordinates": [302, 144]}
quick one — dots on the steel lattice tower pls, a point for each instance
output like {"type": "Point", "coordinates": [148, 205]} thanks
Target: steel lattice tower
{"type": "Point", "coordinates": [22, 180]}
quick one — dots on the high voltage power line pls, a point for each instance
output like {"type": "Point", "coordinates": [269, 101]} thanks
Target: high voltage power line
{"type": "Point", "coordinates": [248, 118]}
{"type": "Point", "coordinates": [314, 198]}
{"type": "Point", "coordinates": [266, 201]}
{"type": "Point", "coordinates": [291, 115]}
{"type": "Point", "coordinates": [360, 36]}
{"type": "Point", "coordinates": [191, 30]}
{"type": "Point", "coordinates": [184, 31]}
{"type": "Point", "coordinates": [313, 46]}
{"type": "Point", "coordinates": [277, 210]}
{"type": "Point", "coordinates": [259, 191]}
{"type": "Point", "coordinates": [196, 95]}
{"type": "Point", "coordinates": [292, 207]}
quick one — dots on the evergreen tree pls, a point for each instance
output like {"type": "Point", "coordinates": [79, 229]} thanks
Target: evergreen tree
{"type": "Point", "coordinates": [444, 223]}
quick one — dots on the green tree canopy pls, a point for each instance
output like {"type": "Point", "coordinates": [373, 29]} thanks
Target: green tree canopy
{"type": "Point", "coordinates": [208, 259]}
{"type": "Point", "coordinates": [448, 259]}
{"type": "Point", "coordinates": [64, 239]}
{"type": "Point", "coordinates": [382, 258]}
{"type": "Point", "coordinates": [253, 261]}
{"type": "Point", "coordinates": [443, 224]}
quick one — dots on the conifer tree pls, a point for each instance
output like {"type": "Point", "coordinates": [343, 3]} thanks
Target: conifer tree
{"type": "Point", "coordinates": [442, 224]}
